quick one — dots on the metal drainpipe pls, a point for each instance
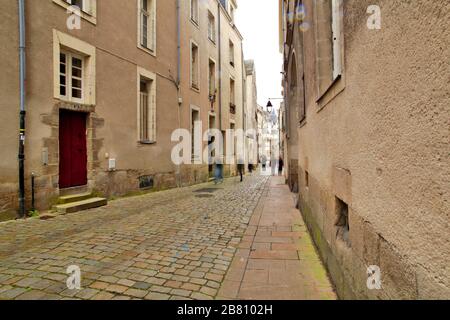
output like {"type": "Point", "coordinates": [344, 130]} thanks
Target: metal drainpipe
{"type": "Point", "coordinates": [33, 178]}
{"type": "Point", "coordinates": [178, 173]}
{"type": "Point", "coordinates": [220, 66]}
{"type": "Point", "coordinates": [22, 76]}
{"type": "Point", "coordinates": [178, 45]}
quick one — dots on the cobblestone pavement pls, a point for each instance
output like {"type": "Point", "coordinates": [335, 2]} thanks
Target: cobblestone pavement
{"type": "Point", "coordinates": [176, 244]}
{"type": "Point", "coordinates": [189, 243]}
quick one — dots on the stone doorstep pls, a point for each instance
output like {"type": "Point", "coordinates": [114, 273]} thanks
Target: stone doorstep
{"type": "Point", "coordinates": [81, 205]}
{"type": "Point", "coordinates": [66, 200]}
{"type": "Point", "coordinates": [74, 198]}
{"type": "Point", "coordinates": [73, 191]}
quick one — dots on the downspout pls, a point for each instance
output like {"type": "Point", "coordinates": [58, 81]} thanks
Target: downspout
{"type": "Point", "coordinates": [303, 72]}
{"type": "Point", "coordinates": [22, 79]}
{"type": "Point", "coordinates": [178, 171]}
{"type": "Point", "coordinates": [178, 45]}
{"type": "Point", "coordinates": [220, 66]}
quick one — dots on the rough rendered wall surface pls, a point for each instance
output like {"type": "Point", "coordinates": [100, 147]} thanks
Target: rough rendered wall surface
{"type": "Point", "coordinates": [382, 145]}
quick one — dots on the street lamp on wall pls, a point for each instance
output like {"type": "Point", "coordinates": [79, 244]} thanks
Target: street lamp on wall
{"type": "Point", "coordinates": [269, 107]}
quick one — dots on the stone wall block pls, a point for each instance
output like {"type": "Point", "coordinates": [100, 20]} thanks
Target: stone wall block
{"type": "Point", "coordinates": [371, 253]}
{"type": "Point", "coordinates": [398, 277]}
{"type": "Point", "coordinates": [356, 233]}
{"type": "Point", "coordinates": [430, 288]}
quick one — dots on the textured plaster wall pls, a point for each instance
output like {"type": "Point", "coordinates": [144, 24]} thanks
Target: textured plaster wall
{"type": "Point", "coordinates": [389, 131]}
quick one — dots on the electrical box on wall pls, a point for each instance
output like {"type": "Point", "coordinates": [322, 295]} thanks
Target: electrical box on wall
{"type": "Point", "coordinates": [112, 165]}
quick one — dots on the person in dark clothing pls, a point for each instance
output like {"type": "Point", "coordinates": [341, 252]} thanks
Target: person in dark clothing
{"type": "Point", "coordinates": [280, 166]}
{"type": "Point", "coordinates": [241, 168]}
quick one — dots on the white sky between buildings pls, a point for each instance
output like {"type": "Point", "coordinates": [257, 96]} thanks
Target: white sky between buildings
{"type": "Point", "coordinates": [257, 20]}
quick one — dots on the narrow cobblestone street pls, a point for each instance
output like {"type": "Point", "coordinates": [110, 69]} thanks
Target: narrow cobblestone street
{"type": "Point", "coordinates": [179, 244]}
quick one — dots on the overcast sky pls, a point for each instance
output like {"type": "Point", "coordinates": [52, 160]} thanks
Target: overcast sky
{"type": "Point", "coordinates": [257, 20]}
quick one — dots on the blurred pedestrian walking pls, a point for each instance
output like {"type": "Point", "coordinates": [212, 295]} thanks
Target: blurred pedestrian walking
{"type": "Point", "coordinates": [280, 166]}
{"type": "Point", "coordinates": [241, 168]}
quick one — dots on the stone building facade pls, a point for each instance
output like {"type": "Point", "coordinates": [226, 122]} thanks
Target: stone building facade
{"type": "Point", "coordinates": [251, 107]}
{"type": "Point", "coordinates": [212, 74]}
{"type": "Point", "coordinates": [104, 99]}
{"type": "Point", "coordinates": [366, 89]}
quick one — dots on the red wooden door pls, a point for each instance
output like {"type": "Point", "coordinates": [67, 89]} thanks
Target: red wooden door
{"type": "Point", "coordinates": [72, 149]}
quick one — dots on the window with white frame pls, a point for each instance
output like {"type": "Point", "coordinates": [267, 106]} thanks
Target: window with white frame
{"type": "Point", "coordinates": [212, 77]}
{"type": "Point", "coordinates": [74, 69]}
{"type": "Point", "coordinates": [211, 27]}
{"type": "Point", "coordinates": [329, 43]}
{"type": "Point", "coordinates": [147, 24]}
{"type": "Point", "coordinates": [78, 3]}
{"type": "Point", "coordinates": [71, 76]}
{"type": "Point", "coordinates": [232, 96]}
{"type": "Point", "coordinates": [336, 31]}
{"type": "Point", "coordinates": [231, 50]}
{"type": "Point", "coordinates": [195, 122]}
{"type": "Point", "coordinates": [86, 6]}
{"type": "Point", "coordinates": [146, 106]}
{"type": "Point", "coordinates": [194, 11]}
{"type": "Point", "coordinates": [147, 111]}
{"type": "Point", "coordinates": [194, 66]}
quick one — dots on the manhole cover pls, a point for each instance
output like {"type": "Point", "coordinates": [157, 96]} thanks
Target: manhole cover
{"type": "Point", "coordinates": [207, 190]}
{"type": "Point", "coordinates": [204, 196]}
